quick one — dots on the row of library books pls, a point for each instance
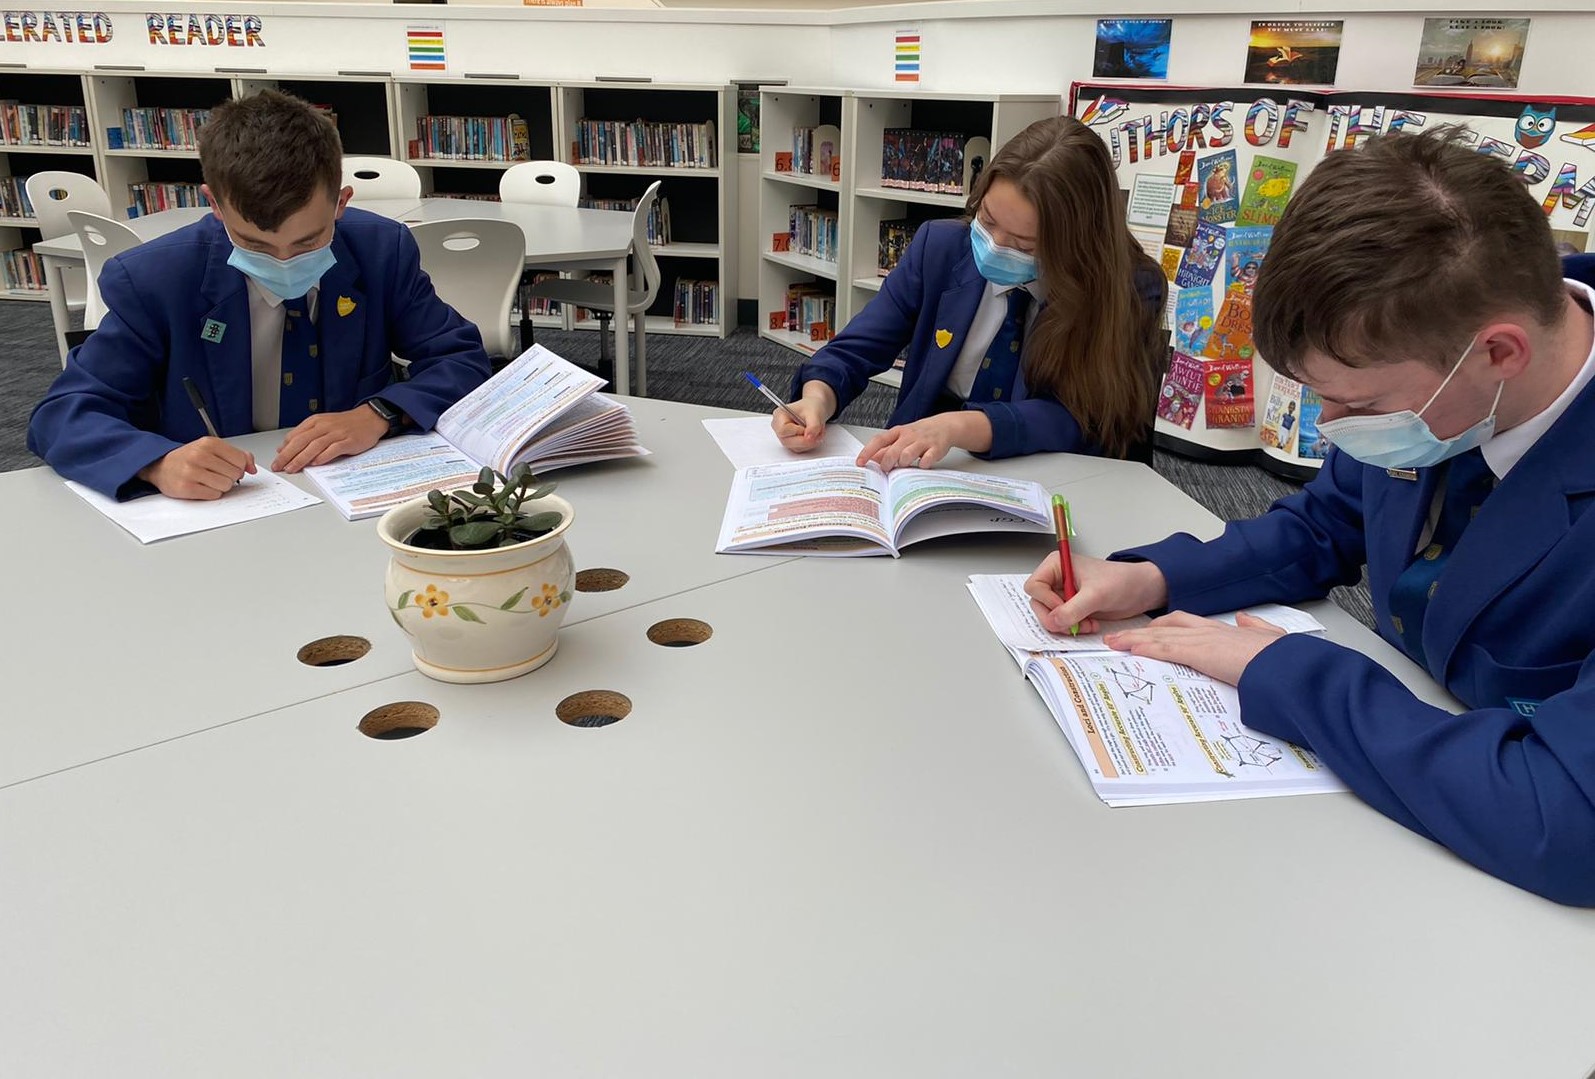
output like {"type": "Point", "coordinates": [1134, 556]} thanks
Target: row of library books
{"type": "Point", "coordinates": [43, 125]}
{"type": "Point", "coordinates": [527, 305]}
{"type": "Point", "coordinates": [894, 240]}
{"type": "Point", "coordinates": [658, 215]}
{"type": "Point", "coordinates": [645, 143]}
{"type": "Point", "coordinates": [697, 303]}
{"type": "Point", "coordinates": [157, 129]}
{"type": "Point", "coordinates": [14, 197]}
{"type": "Point", "coordinates": [810, 309]}
{"type": "Point", "coordinates": [816, 151]}
{"type": "Point", "coordinates": [813, 231]}
{"type": "Point", "coordinates": [935, 161]}
{"type": "Point", "coordinates": [152, 197]}
{"type": "Point", "coordinates": [471, 138]}
{"type": "Point", "coordinates": [23, 270]}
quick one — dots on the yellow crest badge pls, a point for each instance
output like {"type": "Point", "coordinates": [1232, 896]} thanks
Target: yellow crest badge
{"type": "Point", "coordinates": [345, 306]}
{"type": "Point", "coordinates": [944, 338]}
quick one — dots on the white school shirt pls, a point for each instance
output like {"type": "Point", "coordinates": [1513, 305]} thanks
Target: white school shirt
{"type": "Point", "coordinates": [266, 319]}
{"type": "Point", "coordinates": [983, 328]}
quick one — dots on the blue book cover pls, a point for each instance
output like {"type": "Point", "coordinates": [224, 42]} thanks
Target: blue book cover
{"type": "Point", "coordinates": [1193, 320]}
{"type": "Point", "coordinates": [1218, 197]}
{"type": "Point", "coordinates": [1244, 256]}
{"type": "Point", "coordinates": [1202, 259]}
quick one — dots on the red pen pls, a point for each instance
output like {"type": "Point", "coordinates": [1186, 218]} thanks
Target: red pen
{"type": "Point", "coordinates": [1060, 520]}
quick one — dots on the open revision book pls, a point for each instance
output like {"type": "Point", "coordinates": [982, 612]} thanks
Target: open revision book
{"type": "Point", "coordinates": [1150, 732]}
{"type": "Point", "coordinates": [830, 506]}
{"type": "Point", "coordinates": [541, 410]}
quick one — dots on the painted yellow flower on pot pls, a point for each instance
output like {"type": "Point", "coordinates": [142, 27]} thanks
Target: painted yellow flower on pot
{"type": "Point", "coordinates": [432, 601]}
{"type": "Point", "coordinates": [548, 601]}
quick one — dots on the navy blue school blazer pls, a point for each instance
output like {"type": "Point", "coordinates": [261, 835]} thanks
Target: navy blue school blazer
{"type": "Point", "coordinates": [1508, 784]}
{"type": "Point", "coordinates": [120, 404]}
{"type": "Point", "coordinates": [927, 304]}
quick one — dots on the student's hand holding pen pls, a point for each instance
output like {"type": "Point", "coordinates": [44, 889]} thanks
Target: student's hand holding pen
{"type": "Point", "coordinates": [814, 407]}
{"type": "Point", "coordinates": [1105, 590]}
{"type": "Point", "coordinates": [205, 469]}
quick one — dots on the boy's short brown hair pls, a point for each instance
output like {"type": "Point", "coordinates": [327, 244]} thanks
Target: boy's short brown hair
{"type": "Point", "coordinates": [1400, 250]}
{"type": "Point", "coordinates": [265, 155]}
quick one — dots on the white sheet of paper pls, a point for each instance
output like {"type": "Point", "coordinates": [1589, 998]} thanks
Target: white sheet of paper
{"type": "Point", "coordinates": [749, 441]}
{"type": "Point", "coordinates": [1002, 599]}
{"type": "Point", "coordinates": [156, 517]}
{"type": "Point", "coordinates": [1151, 199]}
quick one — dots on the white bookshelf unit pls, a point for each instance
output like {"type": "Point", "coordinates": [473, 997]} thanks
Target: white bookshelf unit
{"type": "Point", "coordinates": [861, 202]}
{"type": "Point", "coordinates": [701, 194]}
{"type": "Point", "coordinates": [783, 110]}
{"type": "Point", "coordinates": [19, 160]}
{"type": "Point", "coordinates": [486, 96]}
{"type": "Point", "coordinates": [110, 94]}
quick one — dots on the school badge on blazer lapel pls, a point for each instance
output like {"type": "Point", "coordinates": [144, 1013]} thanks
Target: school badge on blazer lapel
{"type": "Point", "coordinates": [944, 338]}
{"type": "Point", "coordinates": [345, 306]}
{"type": "Point", "coordinates": [213, 331]}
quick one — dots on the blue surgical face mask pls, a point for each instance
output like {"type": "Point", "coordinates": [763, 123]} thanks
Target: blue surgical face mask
{"type": "Point", "coordinates": [286, 278]}
{"type": "Point", "coordinates": [1000, 265]}
{"type": "Point", "coordinates": [1402, 439]}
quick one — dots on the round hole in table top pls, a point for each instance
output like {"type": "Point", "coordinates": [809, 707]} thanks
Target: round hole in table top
{"type": "Point", "coordinates": [601, 580]}
{"type": "Point", "coordinates": [333, 651]}
{"type": "Point", "coordinates": [680, 632]}
{"type": "Point", "coordinates": [593, 708]}
{"type": "Point", "coordinates": [402, 719]}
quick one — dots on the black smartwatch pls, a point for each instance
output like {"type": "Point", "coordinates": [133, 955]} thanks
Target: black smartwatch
{"type": "Point", "coordinates": [394, 417]}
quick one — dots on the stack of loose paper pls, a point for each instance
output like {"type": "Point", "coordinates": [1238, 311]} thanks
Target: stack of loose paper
{"type": "Point", "coordinates": [156, 517]}
{"type": "Point", "coordinates": [540, 410]}
{"type": "Point", "coordinates": [1150, 732]}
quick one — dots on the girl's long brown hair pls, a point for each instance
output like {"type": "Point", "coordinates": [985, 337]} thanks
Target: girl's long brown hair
{"type": "Point", "coordinates": [1096, 346]}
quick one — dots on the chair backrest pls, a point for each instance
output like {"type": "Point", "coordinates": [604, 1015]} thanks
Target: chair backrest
{"type": "Point", "coordinates": [644, 267]}
{"type": "Point", "coordinates": [54, 193]}
{"type": "Point", "coordinates": [475, 266]}
{"type": "Point", "coordinates": [102, 239]}
{"type": "Point", "coordinates": [551, 183]}
{"type": "Point", "coordinates": [381, 178]}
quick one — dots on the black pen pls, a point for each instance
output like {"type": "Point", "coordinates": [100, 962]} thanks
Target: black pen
{"type": "Point", "coordinates": [199, 405]}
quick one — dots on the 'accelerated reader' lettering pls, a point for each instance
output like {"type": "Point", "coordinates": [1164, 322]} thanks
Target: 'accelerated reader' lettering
{"type": "Point", "coordinates": [236, 31]}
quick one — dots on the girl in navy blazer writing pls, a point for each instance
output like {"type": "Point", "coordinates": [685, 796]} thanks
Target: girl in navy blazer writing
{"type": "Point", "coordinates": [1031, 324]}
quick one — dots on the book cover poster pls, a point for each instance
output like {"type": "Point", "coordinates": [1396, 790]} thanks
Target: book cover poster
{"type": "Point", "coordinates": [1485, 54]}
{"type": "Point", "coordinates": [1181, 394]}
{"type": "Point", "coordinates": [1268, 187]}
{"type": "Point", "coordinates": [1231, 338]}
{"type": "Point", "coordinates": [1184, 165]}
{"type": "Point", "coordinates": [1309, 443]}
{"type": "Point", "coordinates": [1215, 179]}
{"type": "Point", "coordinates": [1202, 259]}
{"type": "Point", "coordinates": [1228, 398]}
{"type": "Point", "coordinates": [1181, 228]}
{"type": "Point", "coordinates": [1171, 262]}
{"type": "Point", "coordinates": [1294, 52]}
{"type": "Point", "coordinates": [1281, 415]}
{"type": "Point", "coordinates": [1244, 257]}
{"type": "Point", "coordinates": [1193, 319]}
{"type": "Point", "coordinates": [1133, 48]}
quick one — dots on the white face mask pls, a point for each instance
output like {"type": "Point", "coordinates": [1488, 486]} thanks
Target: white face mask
{"type": "Point", "coordinates": [1402, 439]}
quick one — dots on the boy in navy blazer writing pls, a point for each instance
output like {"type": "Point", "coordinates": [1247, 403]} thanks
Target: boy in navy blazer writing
{"type": "Point", "coordinates": [283, 308]}
{"type": "Point", "coordinates": [1032, 325]}
{"type": "Point", "coordinates": [1413, 283]}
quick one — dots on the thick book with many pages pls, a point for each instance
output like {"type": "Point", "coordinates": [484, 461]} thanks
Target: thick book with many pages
{"type": "Point", "coordinates": [540, 409]}
{"type": "Point", "coordinates": [1150, 732]}
{"type": "Point", "coordinates": [831, 506]}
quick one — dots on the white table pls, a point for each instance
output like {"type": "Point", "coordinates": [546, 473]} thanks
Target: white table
{"type": "Point", "coordinates": [557, 237]}
{"type": "Point", "coordinates": [842, 837]}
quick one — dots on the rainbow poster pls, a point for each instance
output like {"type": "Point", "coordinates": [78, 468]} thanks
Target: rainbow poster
{"type": "Point", "coordinates": [426, 48]}
{"type": "Point", "coordinates": [906, 56]}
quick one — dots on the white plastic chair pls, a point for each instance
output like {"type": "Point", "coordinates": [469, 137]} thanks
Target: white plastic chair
{"type": "Point", "coordinates": [475, 266]}
{"type": "Point", "coordinates": [381, 178]}
{"type": "Point", "coordinates": [53, 194]}
{"type": "Point", "coordinates": [549, 183]}
{"type": "Point", "coordinates": [600, 298]}
{"type": "Point", "coordinates": [103, 239]}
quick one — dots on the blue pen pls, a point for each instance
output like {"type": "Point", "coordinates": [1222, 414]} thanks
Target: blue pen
{"type": "Point", "coordinates": [774, 400]}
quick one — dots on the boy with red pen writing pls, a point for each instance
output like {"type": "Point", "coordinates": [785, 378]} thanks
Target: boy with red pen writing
{"type": "Point", "coordinates": [1414, 285]}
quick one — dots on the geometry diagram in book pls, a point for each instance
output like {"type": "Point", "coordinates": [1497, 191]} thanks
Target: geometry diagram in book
{"type": "Point", "coordinates": [1255, 752]}
{"type": "Point", "coordinates": [1131, 683]}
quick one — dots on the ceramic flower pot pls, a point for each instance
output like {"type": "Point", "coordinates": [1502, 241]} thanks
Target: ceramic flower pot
{"type": "Point", "coordinates": [478, 616]}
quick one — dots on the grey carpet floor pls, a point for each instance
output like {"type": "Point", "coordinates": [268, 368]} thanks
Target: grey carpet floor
{"type": "Point", "coordinates": [698, 370]}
